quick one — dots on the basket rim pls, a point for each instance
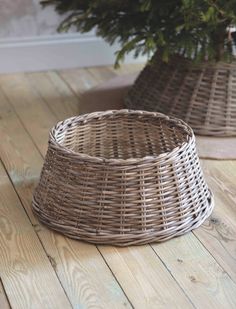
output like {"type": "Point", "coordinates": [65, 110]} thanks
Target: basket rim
{"type": "Point", "coordinates": [204, 64]}
{"type": "Point", "coordinates": [88, 116]}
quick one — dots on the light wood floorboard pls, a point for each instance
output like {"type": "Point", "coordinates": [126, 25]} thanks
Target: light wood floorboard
{"type": "Point", "coordinates": [38, 266]}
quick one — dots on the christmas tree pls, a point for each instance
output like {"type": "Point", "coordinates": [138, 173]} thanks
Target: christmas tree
{"type": "Point", "coordinates": [192, 73]}
{"type": "Point", "coordinates": [198, 29]}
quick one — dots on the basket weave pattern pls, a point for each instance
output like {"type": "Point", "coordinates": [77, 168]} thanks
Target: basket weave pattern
{"type": "Point", "coordinates": [122, 178]}
{"type": "Point", "coordinates": [202, 95]}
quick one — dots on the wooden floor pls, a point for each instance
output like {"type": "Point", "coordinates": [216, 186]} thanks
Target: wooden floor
{"type": "Point", "coordinates": [42, 269]}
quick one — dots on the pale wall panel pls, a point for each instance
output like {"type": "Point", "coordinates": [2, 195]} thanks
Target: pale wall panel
{"type": "Point", "coordinates": [26, 18]}
{"type": "Point", "coordinates": [29, 41]}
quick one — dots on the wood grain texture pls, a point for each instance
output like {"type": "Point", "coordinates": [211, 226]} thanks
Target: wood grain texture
{"type": "Point", "coordinates": [229, 267]}
{"type": "Point", "coordinates": [218, 233]}
{"type": "Point", "coordinates": [55, 93]}
{"type": "Point", "coordinates": [197, 272]}
{"type": "Point", "coordinates": [166, 276]}
{"type": "Point", "coordinates": [127, 69]}
{"type": "Point", "coordinates": [79, 80]}
{"type": "Point", "coordinates": [20, 252]}
{"type": "Point", "coordinates": [23, 166]}
{"type": "Point", "coordinates": [88, 282]}
{"type": "Point", "coordinates": [101, 74]}
{"type": "Point", "coordinates": [84, 275]}
{"type": "Point", "coordinates": [144, 278]}
{"type": "Point", "coordinates": [4, 304]}
{"type": "Point", "coordinates": [29, 106]}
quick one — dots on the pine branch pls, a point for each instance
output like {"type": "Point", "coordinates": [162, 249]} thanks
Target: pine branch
{"type": "Point", "coordinates": [197, 27]}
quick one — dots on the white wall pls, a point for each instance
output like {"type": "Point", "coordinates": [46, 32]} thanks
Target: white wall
{"type": "Point", "coordinates": [29, 41]}
{"type": "Point", "coordinates": [27, 18]}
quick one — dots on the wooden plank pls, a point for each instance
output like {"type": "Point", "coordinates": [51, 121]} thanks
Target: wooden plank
{"type": "Point", "coordinates": [197, 272]}
{"type": "Point", "coordinates": [29, 106]}
{"type": "Point", "coordinates": [222, 248]}
{"type": "Point", "coordinates": [99, 76]}
{"type": "Point", "coordinates": [144, 278]}
{"type": "Point", "coordinates": [4, 304]}
{"type": "Point", "coordinates": [79, 80]}
{"type": "Point", "coordinates": [19, 155]}
{"type": "Point", "coordinates": [97, 98]}
{"type": "Point", "coordinates": [218, 234]}
{"type": "Point", "coordinates": [150, 300]}
{"type": "Point", "coordinates": [127, 69]}
{"type": "Point", "coordinates": [55, 93]}
{"type": "Point", "coordinates": [160, 299]}
{"type": "Point", "coordinates": [166, 258]}
{"type": "Point", "coordinates": [84, 275]}
{"type": "Point", "coordinates": [81, 269]}
{"type": "Point", "coordinates": [24, 266]}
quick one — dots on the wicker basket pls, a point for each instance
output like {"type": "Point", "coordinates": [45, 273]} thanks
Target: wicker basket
{"type": "Point", "coordinates": [122, 178]}
{"type": "Point", "coordinates": [202, 95]}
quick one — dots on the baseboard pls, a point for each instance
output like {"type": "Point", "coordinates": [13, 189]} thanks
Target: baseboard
{"type": "Point", "coordinates": [56, 52]}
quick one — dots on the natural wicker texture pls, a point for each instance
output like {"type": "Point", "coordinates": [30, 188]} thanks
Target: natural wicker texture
{"type": "Point", "coordinates": [202, 95]}
{"type": "Point", "coordinates": [122, 178]}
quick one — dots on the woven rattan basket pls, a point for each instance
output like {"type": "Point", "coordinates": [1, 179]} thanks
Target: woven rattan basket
{"type": "Point", "coordinates": [122, 178]}
{"type": "Point", "coordinates": [203, 95]}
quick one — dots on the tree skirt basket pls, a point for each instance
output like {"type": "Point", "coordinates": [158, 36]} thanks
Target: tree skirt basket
{"type": "Point", "coordinates": [203, 95]}
{"type": "Point", "coordinates": [122, 178]}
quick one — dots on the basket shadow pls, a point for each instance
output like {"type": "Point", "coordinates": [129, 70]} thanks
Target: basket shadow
{"type": "Point", "coordinates": [102, 99]}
